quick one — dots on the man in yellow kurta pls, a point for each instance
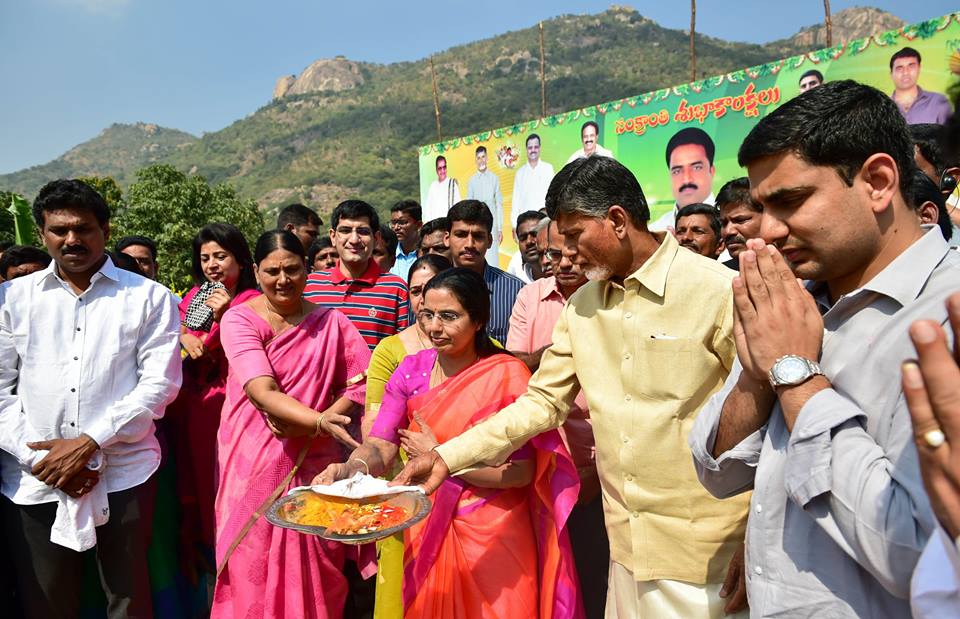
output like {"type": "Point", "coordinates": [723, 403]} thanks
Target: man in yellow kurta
{"type": "Point", "coordinates": [648, 340]}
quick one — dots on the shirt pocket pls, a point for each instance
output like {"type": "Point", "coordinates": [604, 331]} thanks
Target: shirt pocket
{"type": "Point", "coordinates": [667, 368]}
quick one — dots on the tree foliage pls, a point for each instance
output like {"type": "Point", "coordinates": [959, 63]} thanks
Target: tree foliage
{"type": "Point", "coordinates": [170, 207]}
{"type": "Point", "coordinates": [6, 219]}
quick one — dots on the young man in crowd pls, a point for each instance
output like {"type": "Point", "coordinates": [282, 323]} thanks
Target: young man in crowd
{"type": "Point", "coordinates": [374, 301]}
{"type": "Point", "coordinates": [435, 238]}
{"type": "Point", "coordinates": [79, 453]}
{"type": "Point", "coordinates": [144, 251]}
{"type": "Point", "coordinates": [648, 341]}
{"type": "Point", "coordinates": [20, 260]}
{"type": "Point", "coordinates": [322, 255]}
{"type": "Point", "coordinates": [813, 419]}
{"type": "Point", "coordinates": [525, 264]}
{"type": "Point", "coordinates": [534, 315]}
{"type": "Point", "coordinates": [471, 233]}
{"type": "Point", "coordinates": [943, 169]}
{"type": "Point", "coordinates": [405, 221]}
{"type": "Point", "coordinates": [698, 229]}
{"type": "Point", "coordinates": [385, 250]}
{"type": "Point", "coordinates": [739, 218]}
{"type": "Point", "coordinates": [485, 187]}
{"type": "Point", "coordinates": [303, 221]}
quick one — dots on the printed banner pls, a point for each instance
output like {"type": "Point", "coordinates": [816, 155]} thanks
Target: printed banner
{"type": "Point", "coordinates": [637, 130]}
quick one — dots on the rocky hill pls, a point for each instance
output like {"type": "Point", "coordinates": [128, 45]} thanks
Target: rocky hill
{"type": "Point", "coordinates": [343, 128]}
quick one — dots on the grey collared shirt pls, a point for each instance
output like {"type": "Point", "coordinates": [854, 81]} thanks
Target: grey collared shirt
{"type": "Point", "coordinates": [839, 516]}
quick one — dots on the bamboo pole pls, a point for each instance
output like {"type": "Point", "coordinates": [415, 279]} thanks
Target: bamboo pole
{"type": "Point", "coordinates": [543, 77]}
{"type": "Point", "coordinates": [828, 22]}
{"type": "Point", "coordinates": [436, 100]}
{"type": "Point", "coordinates": [693, 45]}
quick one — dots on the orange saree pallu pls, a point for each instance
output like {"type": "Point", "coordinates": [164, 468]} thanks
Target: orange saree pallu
{"type": "Point", "coordinates": [483, 552]}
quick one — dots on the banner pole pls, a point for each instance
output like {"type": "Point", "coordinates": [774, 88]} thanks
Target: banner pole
{"type": "Point", "coordinates": [693, 45]}
{"type": "Point", "coordinates": [543, 79]}
{"type": "Point", "coordinates": [436, 100]}
{"type": "Point", "coordinates": [828, 22]}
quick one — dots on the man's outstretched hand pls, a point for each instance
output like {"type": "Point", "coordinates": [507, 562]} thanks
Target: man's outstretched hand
{"type": "Point", "coordinates": [427, 471]}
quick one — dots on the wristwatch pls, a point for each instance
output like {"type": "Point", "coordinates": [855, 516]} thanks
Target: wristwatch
{"type": "Point", "coordinates": [793, 370]}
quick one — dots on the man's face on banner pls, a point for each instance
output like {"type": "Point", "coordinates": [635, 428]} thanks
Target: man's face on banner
{"type": "Point", "coordinates": [691, 175]}
{"type": "Point", "coordinates": [906, 72]}
{"type": "Point", "coordinates": [809, 83]}
{"type": "Point", "coordinates": [589, 139]}
{"type": "Point", "coordinates": [442, 170]}
{"type": "Point", "coordinates": [533, 150]}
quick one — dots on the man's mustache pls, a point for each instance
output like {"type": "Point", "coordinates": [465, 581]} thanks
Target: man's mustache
{"type": "Point", "coordinates": [733, 239]}
{"type": "Point", "coordinates": [688, 186]}
{"type": "Point", "coordinates": [77, 250]}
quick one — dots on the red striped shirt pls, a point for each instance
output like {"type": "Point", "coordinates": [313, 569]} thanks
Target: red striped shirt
{"type": "Point", "coordinates": [376, 302]}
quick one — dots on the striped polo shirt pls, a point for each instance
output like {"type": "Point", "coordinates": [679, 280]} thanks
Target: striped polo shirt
{"type": "Point", "coordinates": [376, 302]}
{"type": "Point", "coordinates": [503, 289]}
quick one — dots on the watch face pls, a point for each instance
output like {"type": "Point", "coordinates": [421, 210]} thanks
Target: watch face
{"type": "Point", "coordinates": [791, 370]}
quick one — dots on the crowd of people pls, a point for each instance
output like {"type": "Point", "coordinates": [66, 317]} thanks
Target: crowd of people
{"type": "Point", "coordinates": [750, 409]}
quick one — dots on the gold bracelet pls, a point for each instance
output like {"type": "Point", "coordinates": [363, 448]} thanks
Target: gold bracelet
{"type": "Point", "coordinates": [363, 462]}
{"type": "Point", "coordinates": [319, 425]}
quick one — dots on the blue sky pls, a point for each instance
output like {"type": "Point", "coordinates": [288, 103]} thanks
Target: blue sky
{"type": "Point", "coordinates": [72, 67]}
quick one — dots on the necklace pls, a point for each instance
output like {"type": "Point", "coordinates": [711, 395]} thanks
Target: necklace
{"type": "Point", "coordinates": [282, 322]}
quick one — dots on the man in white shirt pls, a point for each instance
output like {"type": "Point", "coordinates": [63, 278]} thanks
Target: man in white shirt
{"type": "Point", "coordinates": [690, 161]}
{"type": "Point", "coordinates": [485, 186]}
{"type": "Point", "coordinates": [532, 180]}
{"type": "Point", "coordinates": [443, 193]}
{"type": "Point", "coordinates": [588, 137]}
{"type": "Point", "coordinates": [88, 363]}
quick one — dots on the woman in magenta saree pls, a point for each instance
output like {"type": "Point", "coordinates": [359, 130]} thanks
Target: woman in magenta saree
{"type": "Point", "coordinates": [296, 373]}
{"type": "Point", "coordinates": [495, 543]}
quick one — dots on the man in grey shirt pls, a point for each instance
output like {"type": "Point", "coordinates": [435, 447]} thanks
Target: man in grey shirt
{"type": "Point", "coordinates": [838, 515]}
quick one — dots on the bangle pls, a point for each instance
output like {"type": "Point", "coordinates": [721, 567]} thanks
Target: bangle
{"type": "Point", "coordinates": [319, 425]}
{"type": "Point", "coordinates": [363, 462]}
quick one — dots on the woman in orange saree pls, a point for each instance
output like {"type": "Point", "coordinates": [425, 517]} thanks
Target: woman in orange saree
{"type": "Point", "coordinates": [495, 543]}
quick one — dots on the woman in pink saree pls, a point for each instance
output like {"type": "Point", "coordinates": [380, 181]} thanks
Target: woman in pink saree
{"type": "Point", "coordinates": [296, 374]}
{"type": "Point", "coordinates": [495, 543]}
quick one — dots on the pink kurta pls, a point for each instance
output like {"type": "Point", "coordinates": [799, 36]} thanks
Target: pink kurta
{"type": "Point", "coordinates": [274, 572]}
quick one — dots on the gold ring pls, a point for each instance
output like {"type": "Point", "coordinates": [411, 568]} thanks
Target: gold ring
{"type": "Point", "coordinates": [934, 438]}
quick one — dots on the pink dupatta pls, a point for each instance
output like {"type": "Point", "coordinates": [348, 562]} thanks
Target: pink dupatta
{"type": "Point", "coordinates": [276, 572]}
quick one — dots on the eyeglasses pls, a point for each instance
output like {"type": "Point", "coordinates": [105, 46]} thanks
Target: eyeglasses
{"type": "Point", "coordinates": [553, 255]}
{"type": "Point", "coordinates": [446, 317]}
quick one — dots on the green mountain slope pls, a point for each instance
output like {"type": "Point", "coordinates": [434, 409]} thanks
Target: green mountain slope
{"type": "Point", "coordinates": [119, 151]}
{"type": "Point", "coordinates": [353, 128]}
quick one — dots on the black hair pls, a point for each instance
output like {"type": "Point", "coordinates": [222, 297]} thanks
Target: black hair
{"type": "Point", "coordinates": [923, 190]}
{"type": "Point", "coordinates": [440, 224]}
{"type": "Point", "coordinates": [737, 191]}
{"type": "Point", "coordinates": [811, 72]}
{"type": "Point", "coordinates": [436, 263]}
{"type": "Point", "coordinates": [124, 262]}
{"type": "Point", "coordinates": [480, 149]}
{"type": "Point", "coordinates": [18, 255]}
{"type": "Point", "coordinates": [136, 239]}
{"type": "Point", "coordinates": [390, 240]}
{"type": "Point", "coordinates": [592, 185]}
{"type": "Point", "coordinates": [929, 138]}
{"type": "Point", "coordinates": [316, 247]}
{"type": "Point", "coordinates": [699, 208]}
{"type": "Point", "coordinates": [906, 52]}
{"type": "Point", "coordinates": [355, 209]}
{"type": "Point", "coordinates": [472, 293]}
{"type": "Point", "coordinates": [590, 123]}
{"type": "Point", "coordinates": [533, 136]}
{"type": "Point", "coordinates": [231, 239]}
{"type": "Point", "coordinates": [298, 215]}
{"type": "Point", "coordinates": [73, 194]}
{"type": "Point", "coordinates": [5, 245]}
{"type": "Point", "coordinates": [272, 240]}
{"type": "Point", "coordinates": [408, 207]}
{"type": "Point", "coordinates": [471, 212]}
{"type": "Point", "coordinates": [438, 160]}
{"type": "Point", "coordinates": [526, 216]}
{"type": "Point", "coordinates": [692, 135]}
{"type": "Point", "coordinates": [840, 124]}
